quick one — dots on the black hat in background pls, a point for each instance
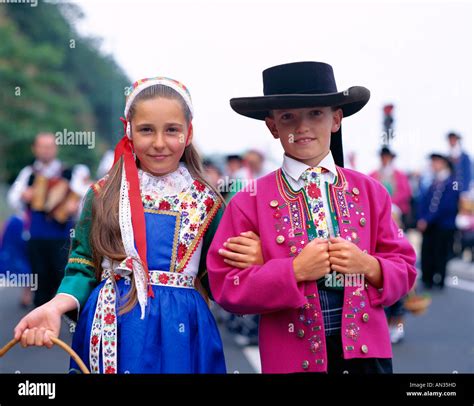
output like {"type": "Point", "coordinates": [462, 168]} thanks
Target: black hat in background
{"type": "Point", "coordinates": [453, 134]}
{"type": "Point", "coordinates": [387, 151]}
{"type": "Point", "coordinates": [444, 158]}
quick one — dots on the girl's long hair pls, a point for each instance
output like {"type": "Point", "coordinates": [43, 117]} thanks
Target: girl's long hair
{"type": "Point", "coordinates": [105, 236]}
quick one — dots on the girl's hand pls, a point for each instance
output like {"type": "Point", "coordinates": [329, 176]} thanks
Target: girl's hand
{"type": "Point", "coordinates": [44, 321]}
{"type": "Point", "coordinates": [243, 251]}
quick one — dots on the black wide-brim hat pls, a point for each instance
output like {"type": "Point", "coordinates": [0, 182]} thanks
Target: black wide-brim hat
{"type": "Point", "coordinates": [302, 85]}
{"type": "Point", "coordinates": [444, 158]}
{"type": "Point", "coordinates": [299, 85]}
{"type": "Point", "coordinates": [387, 151]}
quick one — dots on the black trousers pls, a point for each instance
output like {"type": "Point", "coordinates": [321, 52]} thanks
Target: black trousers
{"type": "Point", "coordinates": [338, 365]}
{"type": "Point", "coordinates": [48, 259]}
{"type": "Point", "coordinates": [436, 249]}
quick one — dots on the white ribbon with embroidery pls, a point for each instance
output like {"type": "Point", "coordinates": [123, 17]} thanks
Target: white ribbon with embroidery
{"type": "Point", "coordinates": [126, 230]}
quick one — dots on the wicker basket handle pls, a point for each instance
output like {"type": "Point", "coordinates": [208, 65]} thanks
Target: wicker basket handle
{"type": "Point", "coordinates": [59, 343]}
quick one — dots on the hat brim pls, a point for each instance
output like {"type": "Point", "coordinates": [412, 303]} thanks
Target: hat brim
{"type": "Point", "coordinates": [350, 101]}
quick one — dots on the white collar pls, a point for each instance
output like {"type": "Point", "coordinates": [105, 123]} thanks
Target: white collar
{"type": "Point", "coordinates": [50, 169]}
{"type": "Point", "coordinates": [387, 170]}
{"type": "Point", "coordinates": [295, 168]}
{"type": "Point", "coordinates": [166, 185]}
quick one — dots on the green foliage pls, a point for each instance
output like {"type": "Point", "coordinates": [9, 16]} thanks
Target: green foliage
{"type": "Point", "coordinates": [52, 79]}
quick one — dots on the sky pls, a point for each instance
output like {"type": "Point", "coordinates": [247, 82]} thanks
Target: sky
{"type": "Point", "coordinates": [416, 55]}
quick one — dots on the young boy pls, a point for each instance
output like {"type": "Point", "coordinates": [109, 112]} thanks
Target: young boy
{"type": "Point", "coordinates": [332, 256]}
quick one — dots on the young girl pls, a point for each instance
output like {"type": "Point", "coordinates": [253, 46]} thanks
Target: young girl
{"type": "Point", "coordinates": [139, 250]}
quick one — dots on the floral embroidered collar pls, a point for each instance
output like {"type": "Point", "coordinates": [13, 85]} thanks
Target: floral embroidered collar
{"type": "Point", "coordinates": [171, 184]}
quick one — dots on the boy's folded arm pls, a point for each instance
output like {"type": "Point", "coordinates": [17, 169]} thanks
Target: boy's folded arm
{"type": "Point", "coordinates": [396, 257]}
{"type": "Point", "coordinates": [79, 276]}
{"type": "Point", "coordinates": [257, 289]}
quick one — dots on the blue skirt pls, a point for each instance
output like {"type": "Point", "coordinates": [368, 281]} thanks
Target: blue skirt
{"type": "Point", "coordinates": [177, 335]}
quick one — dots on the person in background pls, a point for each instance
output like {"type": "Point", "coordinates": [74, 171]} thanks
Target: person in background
{"type": "Point", "coordinates": [80, 183]}
{"type": "Point", "coordinates": [245, 328]}
{"type": "Point", "coordinates": [395, 181]}
{"type": "Point", "coordinates": [465, 221]}
{"type": "Point", "coordinates": [398, 187]}
{"type": "Point", "coordinates": [14, 252]}
{"type": "Point", "coordinates": [233, 165]}
{"type": "Point", "coordinates": [42, 189]}
{"type": "Point", "coordinates": [461, 162]}
{"type": "Point", "coordinates": [462, 175]}
{"type": "Point", "coordinates": [253, 165]}
{"type": "Point", "coordinates": [252, 169]}
{"type": "Point", "coordinates": [212, 172]}
{"type": "Point", "coordinates": [437, 210]}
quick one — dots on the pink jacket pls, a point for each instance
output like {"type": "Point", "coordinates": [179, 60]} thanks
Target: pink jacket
{"type": "Point", "coordinates": [401, 190]}
{"type": "Point", "coordinates": [286, 343]}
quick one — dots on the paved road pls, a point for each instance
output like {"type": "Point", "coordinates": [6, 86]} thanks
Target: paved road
{"type": "Point", "coordinates": [440, 341]}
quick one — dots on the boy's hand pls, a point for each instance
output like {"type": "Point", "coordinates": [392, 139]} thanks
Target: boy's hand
{"type": "Point", "coordinates": [312, 263]}
{"type": "Point", "coordinates": [347, 258]}
{"type": "Point", "coordinates": [243, 251]}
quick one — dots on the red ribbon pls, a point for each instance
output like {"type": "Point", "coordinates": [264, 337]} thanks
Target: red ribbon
{"type": "Point", "coordinates": [125, 148]}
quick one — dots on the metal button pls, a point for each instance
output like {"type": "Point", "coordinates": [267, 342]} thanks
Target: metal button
{"type": "Point", "coordinates": [365, 317]}
{"type": "Point", "coordinates": [355, 191]}
{"type": "Point", "coordinates": [300, 333]}
{"type": "Point", "coordinates": [305, 364]}
{"type": "Point", "coordinates": [364, 349]}
{"type": "Point", "coordinates": [362, 221]}
{"type": "Point", "coordinates": [274, 203]}
{"type": "Point", "coordinates": [280, 239]}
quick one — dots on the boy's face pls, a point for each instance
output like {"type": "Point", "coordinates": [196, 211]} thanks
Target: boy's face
{"type": "Point", "coordinates": [305, 134]}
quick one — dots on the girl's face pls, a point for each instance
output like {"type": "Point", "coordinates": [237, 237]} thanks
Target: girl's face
{"type": "Point", "coordinates": [305, 133]}
{"type": "Point", "coordinates": [159, 131]}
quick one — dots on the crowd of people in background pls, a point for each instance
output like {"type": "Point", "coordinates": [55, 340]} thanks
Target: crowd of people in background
{"type": "Point", "coordinates": [46, 201]}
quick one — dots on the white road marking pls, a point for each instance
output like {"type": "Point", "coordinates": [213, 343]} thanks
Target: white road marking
{"type": "Point", "coordinates": [460, 284]}
{"type": "Point", "coordinates": [253, 357]}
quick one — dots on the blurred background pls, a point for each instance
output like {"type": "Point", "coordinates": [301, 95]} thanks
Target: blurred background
{"type": "Point", "coordinates": [65, 68]}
